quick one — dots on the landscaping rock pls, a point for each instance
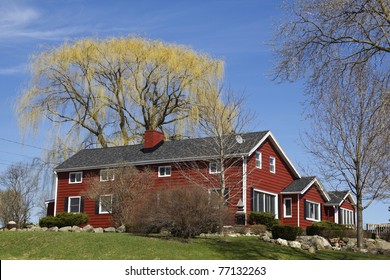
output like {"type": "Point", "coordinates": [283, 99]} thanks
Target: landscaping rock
{"type": "Point", "coordinates": [98, 230]}
{"type": "Point", "coordinates": [282, 242]}
{"type": "Point", "coordinates": [65, 229]}
{"type": "Point", "coordinates": [265, 238]}
{"type": "Point", "coordinates": [88, 228]}
{"type": "Point", "coordinates": [295, 244]}
{"type": "Point", "coordinates": [382, 244]}
{"type": "Point", "coordinates": [312, 250]}
{"type": "Point", "coordinates": [109, 229]}
{"type": "Point", "coordinates": [320, 243]}
{"type": "Point", "coordinates": [76, 229]}
{"type": "Point", "coordinates": [53, 229]}
{"type": "Point", "coordinates": [121, 229]}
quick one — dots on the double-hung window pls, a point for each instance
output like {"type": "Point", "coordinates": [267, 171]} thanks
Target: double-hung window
{"type": "Point", "coordinates": [105, 204]}
{"type": "Point", "coordinates": [264, 202]}
{"type": "Point", "coordinates": [75, 177]}
{"type": "Point", "coordinates": [106, 175]}
{"type": "Point", "coordinates": [164, 171]}
{"type": "Point", "coordinates": [287, 207]}
{"type": "Point", "coordinates": [272, 164]}
{"type": "Point", "coordinates": [258, 160]}
{"type": "Point", "coordinates": [74, 204]}
{"type": "Point", "coordinates": [312, 211]}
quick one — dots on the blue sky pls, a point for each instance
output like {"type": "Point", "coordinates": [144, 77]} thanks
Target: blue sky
{"type": "Point", "coordinates": [236, 31]}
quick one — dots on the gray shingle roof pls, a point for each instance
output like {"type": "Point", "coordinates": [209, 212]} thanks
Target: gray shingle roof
{"type": "Point", "coordinates": [336, 197]}
{"type": "Point", "coordinates": [168, 151]}
{"type": "Point", "coordinates": [298, 185]}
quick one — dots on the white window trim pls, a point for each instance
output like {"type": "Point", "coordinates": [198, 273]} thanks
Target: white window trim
{"type": "Point", "coordinates": [76, 182]}
{"type": "Point", "coordinates": [69, 198]}
{"type": "Point", "coordinates": [166, 166]}
{"type": "Point", "coordinates": [284, 207]}
{"type": "Point", "coordinates": [276, 200]}
{"type": "Point", "coordinates": [217, 170]}
{"type": "Point", "coordinates": [100, 204]}
{"type": "Point", "coordinates": [274, 165]}
{"type": "Point", "coordinates": [108, 175]}
{"type": "Point", "coordinates": [342, 220]}
{"type": "Point", "coordinates": [260, 161]}
{"type": "Point", "coordinates": [319, 211]}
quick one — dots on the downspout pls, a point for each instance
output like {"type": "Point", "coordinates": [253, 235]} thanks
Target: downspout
{"type": "Point", "coordinates": [244, 183]}
{"type": "Point", "coordinates": [55, 192]}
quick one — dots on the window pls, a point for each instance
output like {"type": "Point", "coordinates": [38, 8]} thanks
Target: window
{"type": "Point", "coordinates": [264, 202]}
{"type": "Point", "coordinates": [164, 171]}
{"type": "Point", "coordinates": [258, 160]}
{"type": "Point", "coordinates": [272, 165]}
{"type": "Point", "coordinates": [214, 167]}
{"type": "Point", "coordinates": [346, 217]}
{"type": "Point", "coordinates": [106, 175]}
{"type": "Point", "coordinates": [105, 204]}
{"type": "Point", "coordinates": [312, 211]}
{"type": "Point", "coordinates": [75, 177]}
{"type": "Point", "coordinates": [74, 203]}
{"type": "Point", "coordinates": [287, 207]}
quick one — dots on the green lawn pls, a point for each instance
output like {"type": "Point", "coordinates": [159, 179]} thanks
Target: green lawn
{"type": "Point", "coordinates": [115, 246]}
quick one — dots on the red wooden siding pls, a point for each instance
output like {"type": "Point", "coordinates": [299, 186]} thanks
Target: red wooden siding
{"type": "Point", "coordinates": [263, 179]}
{"type": "Point", "coordinates": [182, 174]}
{"type": "Point", "coordinates": [313, 195]}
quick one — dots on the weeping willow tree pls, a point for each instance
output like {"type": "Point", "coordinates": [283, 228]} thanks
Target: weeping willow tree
{"type": "Point", "coordinates": [108, 92]}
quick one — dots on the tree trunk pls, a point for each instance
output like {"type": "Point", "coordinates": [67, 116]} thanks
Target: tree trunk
{"type": "Point", "coordinates": [359, 223]}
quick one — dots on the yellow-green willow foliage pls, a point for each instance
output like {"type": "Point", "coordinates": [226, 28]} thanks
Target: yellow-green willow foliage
{"type": "Point", "coordinates": [112, 90]}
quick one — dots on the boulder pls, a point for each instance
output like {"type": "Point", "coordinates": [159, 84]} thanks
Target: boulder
{"type": "Point", "coordinates": [295, 244]}
{"type": "Point", "coordinates": [312, 250]}
{"type": "Point", "coordinates": [98, 230]}
{"type": "Point", "coordinates": [121, 229]}
{"type": "Point", "coordinates": [53, 229]}
{"type": "Point", "coordinates": [65, 229]}
{"type": "Point", "coordinates": [320, 243]}
{"type": "Point", "coordinates": [265, 238]}
{"type": "Point", "coordinates": [282, 242]}
{"type": "Point", "coordinates": [88, 228]}
{"type": "Point", "coordinates": [382, 244]}
{"type": "Point", "coordinates": [76, 229]}
{"type": "Point", "coordinates": [109, 229]}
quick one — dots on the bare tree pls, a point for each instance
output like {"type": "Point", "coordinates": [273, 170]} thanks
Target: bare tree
{"type": "Point", "coordinates": [342, 49]}
{"type": "Point", "coordinates": [351, 138]}
{"type": "Point", "coordinates": [119, 192]}
{"type": "Point", "coordinates": [221, 124]}
{"type": "Point", "coordinates": [107, 92]}
{"type": "Point", "coordinates": [332, 35]}
{"type": "Point", "coordinates": [18, 197]}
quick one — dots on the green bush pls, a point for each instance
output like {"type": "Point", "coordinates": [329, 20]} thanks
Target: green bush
{"type": "Point", "coordinates": [63, 220]}
{"type": "Point", "coordinates": [327, 229]}
{"type": "Point", "coordinates": [285, 232]}
{"type": "Point", "coordinates": [263, 218]}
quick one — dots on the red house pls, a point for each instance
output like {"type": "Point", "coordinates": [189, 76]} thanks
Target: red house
{"type": "Point", "coordinates": [261, 178]}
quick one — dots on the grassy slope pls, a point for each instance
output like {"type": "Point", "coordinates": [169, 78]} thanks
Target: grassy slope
{"type": "Point", "coordinates": [84, 246]}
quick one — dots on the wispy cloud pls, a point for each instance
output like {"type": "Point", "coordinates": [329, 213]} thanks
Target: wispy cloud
{"type": "Point", "coordinates": [14, 18]}
{"type": "Point", "coordinates": [18, 69]}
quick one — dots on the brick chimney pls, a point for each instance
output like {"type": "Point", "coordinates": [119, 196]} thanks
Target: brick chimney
{"type": "Point", "coordinates": [152, 138]}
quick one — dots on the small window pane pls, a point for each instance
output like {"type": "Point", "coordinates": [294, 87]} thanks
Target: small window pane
{"type": "Point", "coordinates": [74, 204]}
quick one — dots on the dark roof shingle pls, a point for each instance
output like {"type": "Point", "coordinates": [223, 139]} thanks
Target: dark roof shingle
{"type": "Point", "coordinates": [168, 151]}
{"type": "Point", "coordinates": [298, 185]}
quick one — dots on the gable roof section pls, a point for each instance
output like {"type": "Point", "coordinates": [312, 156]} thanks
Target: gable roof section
{"type": "Point", "coordinates": [338, 197]}
{"type": "Point", "coordinates": [300, 186]}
